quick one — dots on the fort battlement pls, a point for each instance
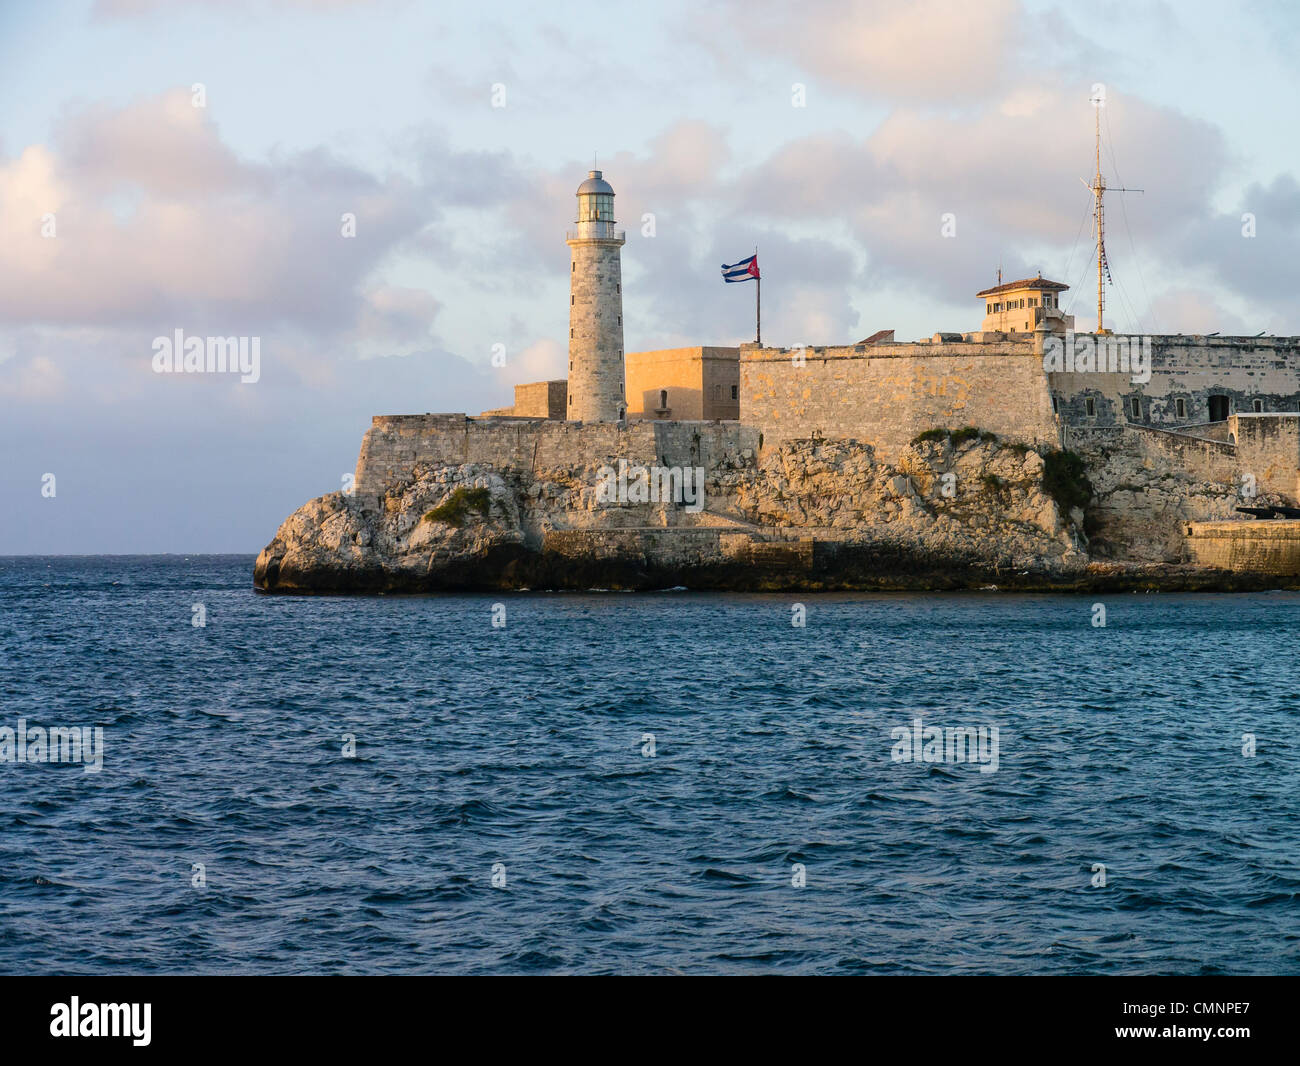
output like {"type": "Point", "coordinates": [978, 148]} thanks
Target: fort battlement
{"type": "Point", "coordinates": [395, 445]}
{"type": "Point", "coordinates": [885, 394]}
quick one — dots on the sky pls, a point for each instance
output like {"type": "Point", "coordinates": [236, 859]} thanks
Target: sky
{"type": "Point", "coordinates": [191, 165]}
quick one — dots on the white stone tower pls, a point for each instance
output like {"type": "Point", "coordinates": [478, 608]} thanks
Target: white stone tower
{"type": "Point", "coordinates": [596, 376]}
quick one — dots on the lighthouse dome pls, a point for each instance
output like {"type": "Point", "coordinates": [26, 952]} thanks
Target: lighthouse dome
{"type": "Point", "coordinates": [595, 184]}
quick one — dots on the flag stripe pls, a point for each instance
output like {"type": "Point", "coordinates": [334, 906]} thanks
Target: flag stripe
{"type": "Point", "coordinates": [742, 271]}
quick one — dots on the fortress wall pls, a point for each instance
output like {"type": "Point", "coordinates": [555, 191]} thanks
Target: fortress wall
{"type": "Point", "coordinates": [1206, 460]}
{"type": "Point", "coordinates": [1268, 447]}
{"type": "Point", "coordinates": [396, 444]}
{"type": "Point", "coordinates": [1192, 368]}
{"type": "Point", "coordinates": [703, 444]}
{"type": "Point", "coordinates": [888, 393]}
{"type": "Point", "coordinates": [1265, 446]}
{"type": "Point", "coordinates": [1268, 547]}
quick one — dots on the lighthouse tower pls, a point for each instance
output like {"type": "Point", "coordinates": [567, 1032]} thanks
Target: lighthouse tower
{"type": "Point", "coordinates": [596, 378]}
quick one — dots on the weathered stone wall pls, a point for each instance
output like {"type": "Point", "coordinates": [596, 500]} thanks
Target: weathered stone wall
{"type": "Point", "coordinates": [396, 444]}
{"type": "Point", "coordinates": [1158, 450]}
{"type": "Point", "coordinates": [1268, 448]}
{"type": "Point", "coordinates": [1268, 546]}
{"type": "Point", "coordinates": [1243, 370]}
{"type": "Point", "coordinates": [886, 394]}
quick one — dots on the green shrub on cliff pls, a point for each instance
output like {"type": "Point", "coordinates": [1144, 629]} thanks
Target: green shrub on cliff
{"type": "Point", "coordinates": [1065, 480]}
{"type": "Point", "coordinates": [457, 507]}
{"type": "Point", "coordinates": [930, 434]}
{"type": "Point", "coordinates": [956, 436]}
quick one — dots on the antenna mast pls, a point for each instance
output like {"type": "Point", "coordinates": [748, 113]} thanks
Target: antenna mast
{"type": "Point", "coordinates": [1098, 188]}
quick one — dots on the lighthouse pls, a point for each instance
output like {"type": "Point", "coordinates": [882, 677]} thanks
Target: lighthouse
{"type": "Point", "coordinates": [596, 376]}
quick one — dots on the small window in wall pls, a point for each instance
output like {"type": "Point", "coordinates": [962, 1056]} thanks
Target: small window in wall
{"type": "Point", "coordinates": [1180, 407]}
{"type": "Point", "coordinates": [1136, 405]}
{"type": "Point", "coordinates": [1218, 408]}
{"type": "Point", "coordinates": [1257, 405]}
{"type": "Point", "coordinates": [1091, 405]}
{"type": "Point", "coordinates": [1056, 405]}
{"type": "Point", "coordinates": [735, 392]}
{"type": "Point", "coordinates": [663, 397]}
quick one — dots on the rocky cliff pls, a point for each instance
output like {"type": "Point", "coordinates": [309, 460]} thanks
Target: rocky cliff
{"type": "Point", "coordinates": [956, 510]}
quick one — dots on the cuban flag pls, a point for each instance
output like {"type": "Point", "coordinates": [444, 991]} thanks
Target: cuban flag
{"type": "Point", "coordinates": [742, 271]}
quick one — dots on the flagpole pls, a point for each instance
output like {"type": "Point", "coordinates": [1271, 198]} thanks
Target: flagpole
{"type": "Point", "coordinates": [758, 306]}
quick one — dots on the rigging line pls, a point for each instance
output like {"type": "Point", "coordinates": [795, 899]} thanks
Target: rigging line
{"type": "Point", "coordinates": [1082, 222]}
{"type": "Point", "coordinates": [1127, 304]}
{"type": "Point", "coordinates": [1123, 210]}
{"type": "Point", "coordinates": [1075, 289]}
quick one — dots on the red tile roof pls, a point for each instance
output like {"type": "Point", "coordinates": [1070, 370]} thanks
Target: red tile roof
{"type": "Point", "coordinates": [1025, 283]}
{"type": "Point", "coordinates": [881, 336]}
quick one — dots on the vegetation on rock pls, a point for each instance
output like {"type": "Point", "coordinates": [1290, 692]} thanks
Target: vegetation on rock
{"type": "Point", "coordinates": [955, 436]}
{"type": "Point", "coordinates": [457, 507]}
{"type": "Point", "coordinates": [1065, 480]}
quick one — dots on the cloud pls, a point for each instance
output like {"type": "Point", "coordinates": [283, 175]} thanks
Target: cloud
{"type": "Point", "coordinates": [1009, 176]}
{"type": "Point", "coordinates": [118, 9]}
{"type": "Point", "coordinates": [926, 50]}
{"type": "Point", "coordinates": [155, 220]}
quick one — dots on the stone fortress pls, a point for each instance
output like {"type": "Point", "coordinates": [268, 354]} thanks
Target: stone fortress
{"type": "Point", "coordinates": [931, 463]}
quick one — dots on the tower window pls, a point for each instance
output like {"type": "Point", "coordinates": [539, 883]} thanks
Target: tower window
{"type": "Point", "coordinates": [735, 392]}
{"type": "Point", "coordinates": [1257, 405]}
{"type": "Point", "coordinates": [1180, 405]}
{"type": "Point", "coordinates": [570, 333]}
{"type": "Point", "coordinates": [572, 300]}
{"type": "Point", "coordinates": [1136, 407]}
{"type": "Point", "coordinates": [663, 398]}
{"type": "Point", "coordinates": [1056, 405]}
{"type": "Point", "coordinates": [1091, 405]}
